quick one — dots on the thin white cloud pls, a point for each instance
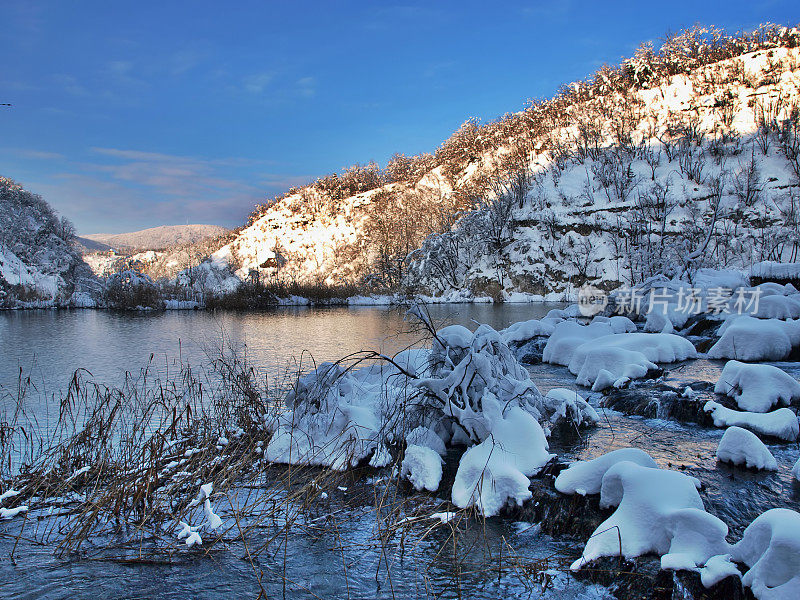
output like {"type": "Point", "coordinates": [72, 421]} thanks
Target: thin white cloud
{"type": "Point", "coordinates": [256, 84]}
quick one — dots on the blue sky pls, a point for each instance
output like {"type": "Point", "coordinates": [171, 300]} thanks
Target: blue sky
{"type": "Point", "coordinates": [136, 114]}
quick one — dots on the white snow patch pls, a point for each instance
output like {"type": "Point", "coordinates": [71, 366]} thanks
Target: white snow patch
{"type": "Point", "coordinates": [741, 447]}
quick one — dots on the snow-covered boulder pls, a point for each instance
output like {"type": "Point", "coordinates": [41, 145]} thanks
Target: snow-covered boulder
{"type": "Point", "coordinates": [604, 366]}
{"type": "Point", "coordinates": [741, 447]}
{"type": "Point", "coordinates": [695, 536]}
{"type": "Point", "coordinates": [626, 355]}
{"type": "Point", "coordinates": [650, 515]}
{"type": "Point", "coordinates": [568, 336]}
{"type": "Point", "coordinates": [757, 388]}
{"type": "Point", "coordinates": [781, 423]}
{"type": "Point", "coordinates": [746, 338]}
{"type": "Point", "coordinates": [585, 476]}
{"type": "Point", "coordinates": [426, 437]}
{"type": "Point", "coordinates": [526, 330]}
{"type": "Point", "coordinates": [658, 322]}
{"type": "Point", "coordinates": [562, 404]}
{"type": "Point", "coordinates": [422, 467]}
{"type": "Point", "coordinates": [796, 470]}
{"type": "Point", "coordinates": [778, 307]}
{"type": "Point", "coordinates": [495, 472]}
{"type": "Point", "coordinates": [770, 546]}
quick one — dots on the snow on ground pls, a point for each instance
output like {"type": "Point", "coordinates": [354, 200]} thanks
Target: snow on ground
{"type": "Point", "coordinates": [757, 388]}
{"type": "Point", "coordinates": [739, 446]}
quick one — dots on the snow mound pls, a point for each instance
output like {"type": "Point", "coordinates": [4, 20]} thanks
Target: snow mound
{"type": "Point", "coordinates": [781, 423]}
{"type": "Point", "coordinates": [426, 437]}
{"type": "Point", "coordinates": [778, 307]}
{"type": "Point", "coordinates": [757, 388]}
{"type": "Point", "coordinates": [568, 336]}
{"type": "Point", "coordinates": [658, 323]}
{"type": "Point", "coordinates": [695, 536]}
{"type": "Point", "coordinates": [526, 330]}
{"type": "Point", "coordinates": [770, 546]}
{"type": "Point", "coordinates": [741, 447]}
{"type": "Point", "coordinates": [651, 516]}
{"type": "Point", "coordinates": [746, 338]}
{"type": "Point", "coordinates": [629, 355]}
{"type": "Point", "coordinates": [585, 476]}
{"type": "Point", "coordinates": [562, 404]}
{"type": "Point", "coordinates": [495, 472]}
{"type": "Point", "coordinates": [422, 467]}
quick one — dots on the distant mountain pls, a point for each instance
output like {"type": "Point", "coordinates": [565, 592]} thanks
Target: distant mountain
{"type": "Point", "coordinates": [154, 238]}
{"type": "Point", "coordinates": [85, 245]}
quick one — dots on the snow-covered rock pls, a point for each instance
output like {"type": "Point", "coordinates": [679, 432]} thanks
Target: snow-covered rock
{"type": "Point", "coordinates": [757, 388]}
{"type": "Point", "coordinates": [422, 467]}
{"type": "Point", "coordinates": [770, 546]}
{"type": "Point", "coordinates": [495, 472]}
{"type": "Point", "coordinates": [650, 514]}
{"type": "Point", "coordinates": [568, 336]}
{"type": "Point", "coordinates": [741, 447]}
{"type": "Point", "coordinates": [602, 361]}
{"type": "Point", "coordinates": [781, 423]}
{"type": "Point", "coordinates": [526, 330]}
{"type": "Point", "coordinates": [778, 307]}
{"type": "Point", "coordinates": [695, 536]}
{"type": "Point", "coordinates": [750, 339]}
{"type": "Point", "coordinates": [562, 404]}
{"type": "Point", "coordinates": [585, 476]}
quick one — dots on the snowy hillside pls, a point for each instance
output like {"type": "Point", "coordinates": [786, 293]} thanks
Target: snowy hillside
{"type": "Point", "coordinates": [676, 159]}
{"type": "Point", "coordinates": [39, 265]}
{"type": "Point", "coordinates": [156, 238]}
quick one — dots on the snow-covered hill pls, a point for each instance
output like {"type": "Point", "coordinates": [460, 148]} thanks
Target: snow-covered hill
{"type": "Point", "coordinates": [156, 238]}
{"type": "Point", "coordinates": [676, 159]}
{"type": "Point", "coordinates": [39, 264]}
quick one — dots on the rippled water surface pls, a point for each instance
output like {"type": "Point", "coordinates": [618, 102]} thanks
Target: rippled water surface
{"type": "Point", "coordinates": [49, 345]}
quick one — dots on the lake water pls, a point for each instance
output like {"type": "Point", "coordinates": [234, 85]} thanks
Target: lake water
{"type": "Point", "coordinates": [50, 345]}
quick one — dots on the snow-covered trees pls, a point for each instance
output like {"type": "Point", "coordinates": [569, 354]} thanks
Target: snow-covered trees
{"type": "Point", "coordinates": [38, 259]}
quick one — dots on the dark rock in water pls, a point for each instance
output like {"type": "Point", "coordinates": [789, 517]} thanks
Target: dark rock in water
{"type": "Point", "coordinates": [701, 330]}
{"type": "Point", "coordinates": [530, 352]}
{"type": "Point", "coordinates": [703, 324]}
{"type": "Point", "coordinates": [686, 585]}
{"type": "Point", "coordinates": [561, 514]}
{"type": "Point", "coordinates": [658, 402]}
{"type": "Point", "coordinates": [637, 579]}
{"type": "Point", "coordinates": [642, 579]}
